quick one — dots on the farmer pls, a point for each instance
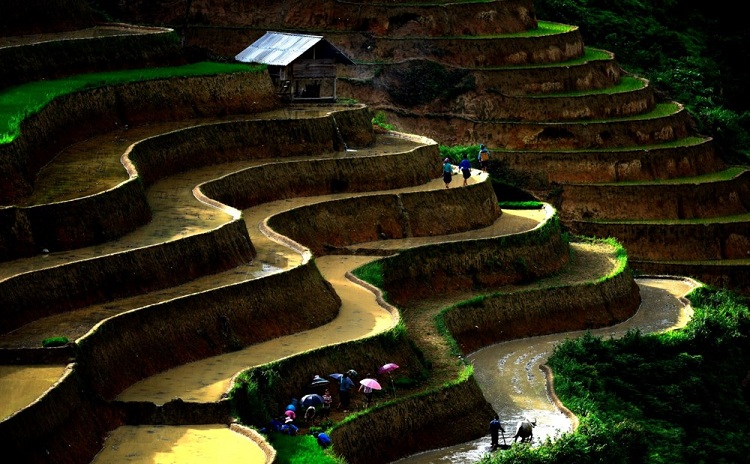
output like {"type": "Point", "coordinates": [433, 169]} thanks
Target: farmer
{"type": "Point", "coordinates": [483, 157]}
{"type": "Point", "coordinates": [345, 391]}
{"type": "Point", "coordinates": [495, 428]}
{"type": "Point", "coordinates": [447, 171]}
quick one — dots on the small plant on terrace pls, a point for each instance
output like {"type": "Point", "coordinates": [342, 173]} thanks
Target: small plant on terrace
{"type": "Point", "coordinates": [54, 341]}
{"type": "Point", "coordinates": [380, 120]}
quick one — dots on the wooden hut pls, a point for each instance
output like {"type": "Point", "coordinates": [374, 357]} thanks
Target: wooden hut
{"type": "Point", "coordinates": [302, 67]}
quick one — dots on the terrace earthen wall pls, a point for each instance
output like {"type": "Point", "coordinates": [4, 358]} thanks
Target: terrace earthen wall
{"type": "Point", "coordinates": [367, 17]}
{"type": "Point", "coordinates": [656, 201]}
{"type": "Point", "coordinates": [333, 225]}
{"type": "Point", "coordinates": [66, 425]}
{"type": "Point", "coordinates": [119, 275]}
{"type": "Point", "coordinates": [120, 351]}
{"type": "Point", "coordinates": [677, 241]}
{"type": "Point", "coordinates": [453, 414]}
{"type": "Point", "coordinates": [26, 231]}
{"type": "Point", "coordinates": [250, 139]}
{"type": "Point", "coordinates": [422, 272]}
{"type": "Point", "coordinates": [24, 17]}
{"type": "Point", "coordinates": [74, 117]}
{"type": "Point", "coordinates": [53, 59]}
{"type": "Point", "coordinates": [276, 181]}
{"type": "Point", "coordinates": [621, 133]}
{"type": "Point", "coordinates": [720, 274]}
{"type": "Point", "coordinates": [361, 80]}
{"type": "Point", "coordinates": [542, 169]}
{"type": "Point", "coordinates": [456, 51]}
{"type": "Point", "coordinates": [504, 317]}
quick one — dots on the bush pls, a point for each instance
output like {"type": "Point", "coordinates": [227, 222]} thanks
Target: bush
{"type": "Point", "coordinates": [55, 341]}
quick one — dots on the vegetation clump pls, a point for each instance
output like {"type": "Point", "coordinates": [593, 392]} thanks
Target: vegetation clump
{"type": "Point", "coordinates": [424, 81]}
{"type": "Point", "coordinates": [689, 54]}
{"type": "Point", "coordinates": [18, 103]}
{"type": "Point", "coordinates": [52, 342]}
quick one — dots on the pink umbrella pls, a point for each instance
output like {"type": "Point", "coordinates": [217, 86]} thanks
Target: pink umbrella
{"type": "Point", "coordinates": [372, 383]}
{"type": "Point", "coordinates": [387, 368]}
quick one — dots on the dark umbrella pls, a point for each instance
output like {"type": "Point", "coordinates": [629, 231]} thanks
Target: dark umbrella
{"type": "Point", "coordinates": [336, 377]}
{"type": "Point", "coordinates": [312, 400]}
{"type": "Point", "coordinates": [319, 381]}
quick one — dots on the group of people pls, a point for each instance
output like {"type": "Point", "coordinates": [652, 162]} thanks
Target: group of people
{"type": "Point", "coordinates": [287, 423]}
{"type": "Point", "coordinates": [464, 166]}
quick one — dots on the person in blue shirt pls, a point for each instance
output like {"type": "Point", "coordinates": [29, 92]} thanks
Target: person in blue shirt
{"type": "Point", "coordinates": [495, 428]}
{"type": "Point", "coordinates": [345, 391]}
{"type": "Point", "coordinates": [323, 439]}
{"type": "Point", "coordinates": [447, 171]}
{"type": "Point", "coordinates": [465, 167]}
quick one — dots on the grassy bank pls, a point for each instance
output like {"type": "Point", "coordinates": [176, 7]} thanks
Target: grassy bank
{"type": "Point", "coordinates": [17, 103]}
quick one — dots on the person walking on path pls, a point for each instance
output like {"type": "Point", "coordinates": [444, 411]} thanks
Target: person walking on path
{"type": "Point", "coordinates": [367, 391]}
{"type": "Point", "coordinates": [495, 428]}
{"type": "Point", "coordinates": [465, 167]}
{"type": "Point", "coordinates": [447, 171]}
{"type": "Point", "coordinates": [345, 391]}
{"type": "Point", "coordinates": [483, 157]}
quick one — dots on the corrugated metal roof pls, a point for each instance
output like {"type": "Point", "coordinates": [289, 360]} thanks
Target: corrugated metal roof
{"type": "Point", "coordinates": [278, 48]}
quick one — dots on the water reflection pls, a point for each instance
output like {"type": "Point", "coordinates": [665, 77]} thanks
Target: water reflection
{"type": "Point", "coordinates": [472, 451]}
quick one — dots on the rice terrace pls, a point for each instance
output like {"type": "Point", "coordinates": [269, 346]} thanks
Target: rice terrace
{"type": "Point", "coordinates": [215, 214]}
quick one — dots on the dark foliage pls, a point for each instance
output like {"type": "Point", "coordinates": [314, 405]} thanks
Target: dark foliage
{"type": "Point", "coordinates": [694, 52]}
{"type": "Point", "coordinates": [685, 390]}
{"type": "Point", "coordinates": [421, 82]}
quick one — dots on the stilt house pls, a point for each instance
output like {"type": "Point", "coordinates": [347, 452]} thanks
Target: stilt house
{"type": "Point", "coordinates": [302, 67]}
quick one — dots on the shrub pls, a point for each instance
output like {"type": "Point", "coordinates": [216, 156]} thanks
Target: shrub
{"type": "Point", "coordinates": [55, 341]}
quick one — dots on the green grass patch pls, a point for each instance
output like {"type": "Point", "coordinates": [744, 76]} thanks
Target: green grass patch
{"type": "Point", "coordinates": [17, 103]}
{"type": "Point", "coordinates": [456, 153]}
{"type": "Point", "coordinates": [371, 273]}
{"type": "Point", "coordinates": [521, 205]}
{"type": "Point", "coordinates": [55, 341]}
{"type": "Point", "coordinates": [661, 110]}
{"type": "Point", "coordinates": [301, 449]}
{"type": "Point", "coordinates": [381, 120]}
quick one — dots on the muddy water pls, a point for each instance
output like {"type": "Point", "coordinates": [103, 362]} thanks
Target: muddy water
{"type": "Point", "coordinates": [22, 385]}
{"type": "Point", "coordinates": [179, 444]}
{"type": "Point", "coordinates": [512, 382]}
{"type": "Point", "coordinates": [207, 380]}
{"type": "Point", "coordinates": [94, 165]}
